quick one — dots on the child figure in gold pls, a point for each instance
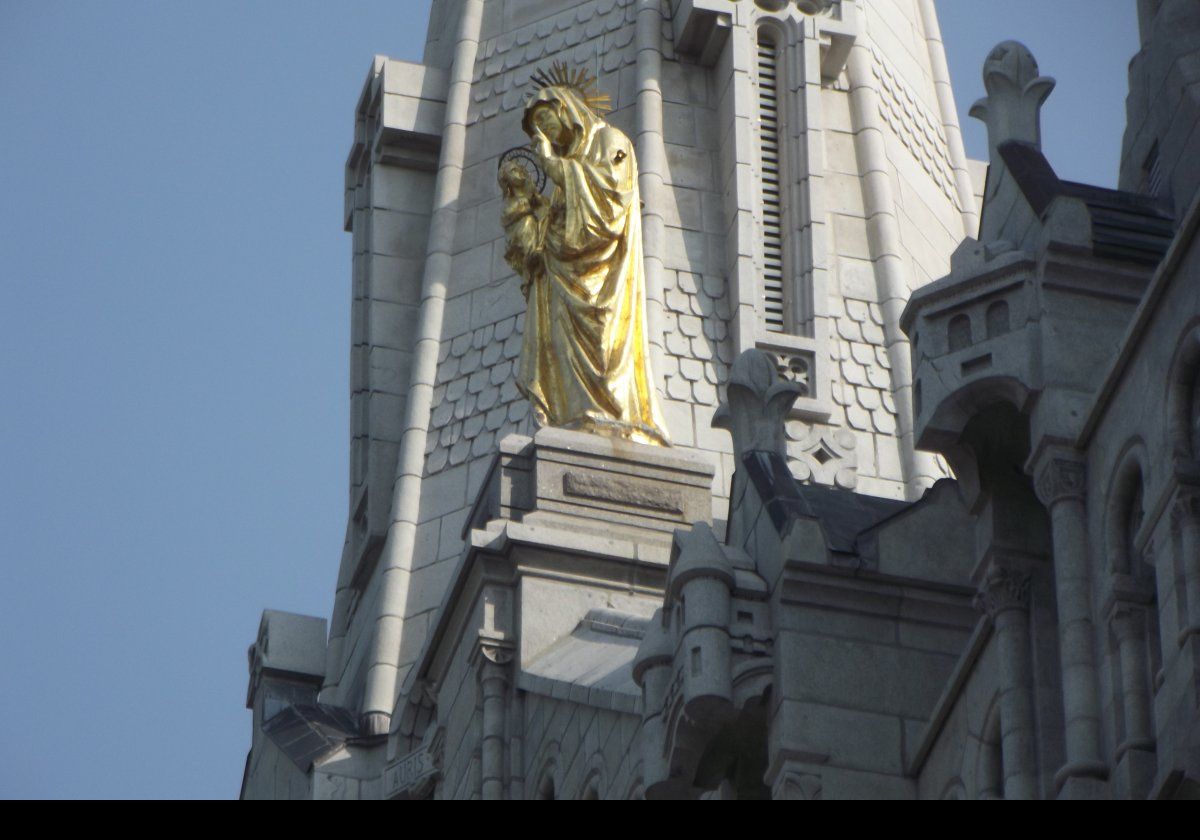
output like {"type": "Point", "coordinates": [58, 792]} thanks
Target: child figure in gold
{"type": "Point", "coordinates": [519, 215]}
{"type": "Point", "coordinates": [585, 362]}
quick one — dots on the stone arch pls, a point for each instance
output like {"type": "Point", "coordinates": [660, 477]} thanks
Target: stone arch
{"type": "Point", "coordinates": [958, 332]}
{"type": "Point", "coordinates": [594, 779]}
{"type": "Point", "coordinates": [547, 783]}
{"type": "Point", "coordinates": [948, 430]}
{"type": "Point", "coordinates": [637, 787]}
{"type": "Point", "coordinates": [954, 789]}
{"type": "Point", "coordinates": [1134, 632]}
{"type": "Point", "coordinates": [1125, 494]}
{"type": "Point", "coordinates": [1183, 395]}
{"type": "Point", "coordinates": [591, 787]}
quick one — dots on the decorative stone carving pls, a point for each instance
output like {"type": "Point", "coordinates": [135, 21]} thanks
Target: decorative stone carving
{"type": "Point", "coordinates": [919, 128]}
{"type": "Point", "coordinates": [496, 652]}
{"type": "Point", "coordinates": [1003, 589]}
{"type": "Point", "coordinates": [1061, 478]}
{"type": "Point", "coordinates": [413, 775]}
{"type": "Point", "coordinates": [823, 456]}
{"type": "Point", "coordinates": [1012, 108]}
{"type": "Point", "coordinates": [756, 404]}
{"type": "Point", "coordinates": [795, 367]}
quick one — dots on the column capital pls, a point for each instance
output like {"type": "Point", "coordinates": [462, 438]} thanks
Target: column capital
{"type": "Point", "coordinates": [1126, 620]}
{"type": "Point", "coordinates": [492, 655]}
{"type": "Point", "coordinates": [1185, 507]}
{"type": "Point", "coordinates": [1003, 589]}
{"type": "Point", "coordinates": [1060, 476]}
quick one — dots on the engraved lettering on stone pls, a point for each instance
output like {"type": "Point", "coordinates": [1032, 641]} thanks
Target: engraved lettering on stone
{"type": "Point", "coordinates": [413, 773]}
{"type": "Point", "coordinates": [622, 491]}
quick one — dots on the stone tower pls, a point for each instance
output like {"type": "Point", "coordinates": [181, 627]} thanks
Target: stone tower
{"type": "Point", "coordinates": [802, 172]}
{"type": "Point", "coordinates": [782, 608]}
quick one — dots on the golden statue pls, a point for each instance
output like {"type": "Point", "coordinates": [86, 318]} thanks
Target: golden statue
{"type": "Point", "coordinates": [585, 361]}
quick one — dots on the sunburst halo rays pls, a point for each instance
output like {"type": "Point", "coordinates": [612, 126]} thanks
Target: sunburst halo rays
{"type": "Point", "coordinates": [579, 79]}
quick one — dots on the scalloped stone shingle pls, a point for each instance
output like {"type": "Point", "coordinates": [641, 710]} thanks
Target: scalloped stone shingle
{"type": "Point", "coordinates": [678, 389]}
{"type": "Point", "coordinates": [456, 389]}
{"type": "Point", "coordinates": [849, 330]}
{"type": "Point", "coordinates": [677, 343]}
{"type": "Point", "coordinates": [859, 418]}
{"type": "Point", "coordinates": [459, 452]}
{"type": "Point", "coordinates": [691, 369]}
{"type": "Point", "coordinates": [872, 332]}
{"type": "Point", "coordinates": [500, 372]}
{"type": "Point", "coordinates": [879, 377]}
{"type": "Point", "coordinates": [469, 363]}
{"type": "Point", "coordinates": [690, 325]}
{"type": "Point", "coordinates": [472, 425]}
{"type": "Point", "coordinates": [487, 398]}
{"type": "Point", "coordinates": [853, 372]}
{"type": "Point", "coordinates": [885, 423]}
{"type": "Point", "coordinates": [495, 418]}
{"type": "Point", "coordinates": [864, 354]}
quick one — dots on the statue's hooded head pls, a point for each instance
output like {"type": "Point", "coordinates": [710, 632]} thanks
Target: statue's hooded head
{"type": "Point", "coordinates": [574, 102]}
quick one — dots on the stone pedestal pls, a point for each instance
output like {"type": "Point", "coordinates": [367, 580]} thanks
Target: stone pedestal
{"type": "Point", "coordinates": [590, 484]}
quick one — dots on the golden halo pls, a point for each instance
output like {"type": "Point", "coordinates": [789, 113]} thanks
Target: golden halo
{"type": "Point", "coordinates": [580, 80]}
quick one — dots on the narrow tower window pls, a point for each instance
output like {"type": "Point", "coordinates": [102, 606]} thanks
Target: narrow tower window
{"type": "Point", "coordinates": [772, 210]}
{"type": "Point", "coordinates": [959, 332]}
{"type": "Point", "coordinates": [996, 319]}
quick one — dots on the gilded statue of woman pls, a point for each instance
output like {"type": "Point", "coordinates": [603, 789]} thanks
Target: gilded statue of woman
{"type": "Point", "coordinates": [585, 360]}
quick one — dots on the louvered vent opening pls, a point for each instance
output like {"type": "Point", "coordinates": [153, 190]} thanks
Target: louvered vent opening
{"type": "Point", "coordinates": [1152, 173]}
{"type": "Point", "coordinates": [768, 120]}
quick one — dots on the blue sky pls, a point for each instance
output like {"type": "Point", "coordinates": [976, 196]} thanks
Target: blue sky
{"type": "Point", "coordinates": [174, 328]}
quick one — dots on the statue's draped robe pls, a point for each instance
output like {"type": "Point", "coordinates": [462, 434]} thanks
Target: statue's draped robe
{"type": "Point", "coordinates": [585, 359]}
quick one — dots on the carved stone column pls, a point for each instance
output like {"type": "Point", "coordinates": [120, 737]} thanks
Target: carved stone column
{"type": "Point", "coordinates": [1004, 596]}
{"type": "Point", "coordinates": [1185, 521]}
{"type": "Point", "coordinates": [494, 682]}
{"type": "Point", "coordinates": [1128, 624]}
{"type": "Point", "coordinates": [1060, 487]}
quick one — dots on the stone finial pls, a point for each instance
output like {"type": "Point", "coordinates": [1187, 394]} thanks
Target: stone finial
{"type": "Point", "coordinates": [1012, 108]}
{"type": "Point", "coordinates": [756, 405]}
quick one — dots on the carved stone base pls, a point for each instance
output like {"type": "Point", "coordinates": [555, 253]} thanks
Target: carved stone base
{"type": "Point", "coordinates": [595, 484]}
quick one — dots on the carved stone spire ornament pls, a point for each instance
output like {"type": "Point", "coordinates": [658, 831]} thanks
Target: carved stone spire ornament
{"type": "Point", "coordinates": [1012, 108]}
{"type": "Point", "coordinates": [756, 405]}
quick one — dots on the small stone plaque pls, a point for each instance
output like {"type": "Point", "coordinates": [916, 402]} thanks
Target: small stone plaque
{"type": "Point", "coordinates": [622, 491]}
